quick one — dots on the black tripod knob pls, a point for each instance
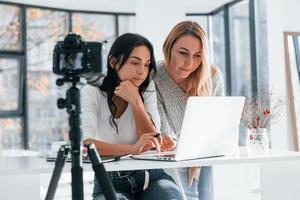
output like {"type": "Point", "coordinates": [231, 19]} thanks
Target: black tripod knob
{"type": "Point", "coordinates": [61, 103]}
{"type": "Point", "coordinates": [60, 82]}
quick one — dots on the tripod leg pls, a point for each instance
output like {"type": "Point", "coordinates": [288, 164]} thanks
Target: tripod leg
{"type": "Point", "coordinates": [59, 164]}
{"type": "Point", "coordinates": [77, 174]}
{"type": "Point", "coordinates": [101, 175]}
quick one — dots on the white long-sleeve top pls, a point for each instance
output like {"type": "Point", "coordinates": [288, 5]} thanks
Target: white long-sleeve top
{"type": "Point", "coordinates": [96, 116]}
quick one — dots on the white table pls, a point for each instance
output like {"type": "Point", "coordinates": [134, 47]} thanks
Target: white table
{"type": "Point", "coordinates": [30, 167]}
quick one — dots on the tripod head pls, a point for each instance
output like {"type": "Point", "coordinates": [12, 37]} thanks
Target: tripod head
{"type": "Point", "coordinates": [71, 102]}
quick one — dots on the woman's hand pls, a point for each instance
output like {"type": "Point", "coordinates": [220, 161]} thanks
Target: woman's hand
{"type": "Point", "coordinates": [194, 173]}
{"type": "Point", "coordinates": [127, 91]}
{"type": "Point", "coordinates": [167, 142]}
{"type": "Point", "coordinates": [146, 142]}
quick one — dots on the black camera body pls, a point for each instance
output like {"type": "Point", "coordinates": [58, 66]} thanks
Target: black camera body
{"type": "Point", "coordinates": [74, 57]}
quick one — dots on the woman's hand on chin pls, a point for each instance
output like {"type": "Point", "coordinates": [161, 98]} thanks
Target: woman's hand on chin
{"type": "Point", "coordinates": [128, 91]}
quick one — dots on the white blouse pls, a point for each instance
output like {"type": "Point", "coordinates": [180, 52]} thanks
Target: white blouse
{"type": "Point", "coordinates": [96, 116]}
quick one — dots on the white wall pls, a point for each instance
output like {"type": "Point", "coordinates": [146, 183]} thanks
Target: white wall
{"type": "Point", "coordinates": [291, 15]}
{"type": "Point", "coordinates": [155, 19]}
{"type": "Point", "coordinates": [282, 15]}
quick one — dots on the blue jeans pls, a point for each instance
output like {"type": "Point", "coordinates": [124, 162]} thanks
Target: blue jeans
{"type": "Point", "coordinates": [129, 186]}
{"type": "Point", "coordinates": [202, 190]}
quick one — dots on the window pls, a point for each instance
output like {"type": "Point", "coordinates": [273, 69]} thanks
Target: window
{"type": "Point", "coordinates": [10, 133]}
{"type": "Point", "coordinates": [240, 48]}
{"type": "Point", "coordinates": [95, 27]}
{"type": "Point", "coordinates": [261, 46]}
{"type": "Point", "coordinates": [9, 80]}
{"type": "Point", "coordinates": [126, 24]}
{"type": "Point", "coordinates": [44, 29]}
{"type": "Point", "coordinates": [10, 31]}
{"type": "Point", "coordinates": [10, 128]}
{"type": "Point", "coordinates": [218, 38]}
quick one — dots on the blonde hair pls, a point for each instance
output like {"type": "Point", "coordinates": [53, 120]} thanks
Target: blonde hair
{"type": "Point", "coordinates": [200, 80]}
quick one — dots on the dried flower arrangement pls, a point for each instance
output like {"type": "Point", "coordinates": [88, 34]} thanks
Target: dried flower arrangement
{"type": "Point", "coordinates": [261, 111]}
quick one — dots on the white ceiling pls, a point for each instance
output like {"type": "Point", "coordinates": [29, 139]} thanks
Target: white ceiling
{"type": "Point", "coordinates": [198, 6]}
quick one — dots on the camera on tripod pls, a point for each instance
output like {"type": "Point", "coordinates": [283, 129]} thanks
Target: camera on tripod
{"type": "Point", "coordinates": [74, 57]}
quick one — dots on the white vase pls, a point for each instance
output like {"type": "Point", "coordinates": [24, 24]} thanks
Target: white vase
{"type": "Point", "coordinates": [257, 141]}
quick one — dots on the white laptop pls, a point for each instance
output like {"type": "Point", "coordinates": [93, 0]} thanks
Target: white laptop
{"type": "Point", "coordinates": [210, 128]}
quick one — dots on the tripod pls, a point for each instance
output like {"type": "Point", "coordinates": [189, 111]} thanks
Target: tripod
{"type": "Point", "coordinates": [72, 104]}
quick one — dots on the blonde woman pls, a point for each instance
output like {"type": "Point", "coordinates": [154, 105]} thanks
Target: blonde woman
{"type": "Point", "coordinates": [186, 71]}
